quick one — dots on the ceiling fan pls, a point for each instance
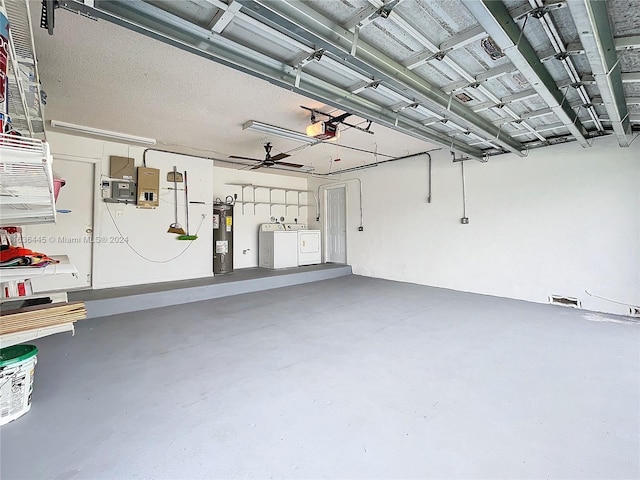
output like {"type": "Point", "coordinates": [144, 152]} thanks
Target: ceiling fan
{"type": "Point", "coordinates": [270, 161]}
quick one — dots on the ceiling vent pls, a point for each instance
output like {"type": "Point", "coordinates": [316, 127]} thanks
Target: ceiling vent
{"type": "Point", "coordinates": [521, 79]}
{"type": "Point", "coordinates": [463, 97]}
{"type": "Point", "coordinates": [491, 48]}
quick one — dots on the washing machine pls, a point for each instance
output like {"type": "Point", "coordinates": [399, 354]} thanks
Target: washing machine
{"type": "Point", "coordinates": [309, 243]}
{"type": "Point", "coordinates": [277, 246]}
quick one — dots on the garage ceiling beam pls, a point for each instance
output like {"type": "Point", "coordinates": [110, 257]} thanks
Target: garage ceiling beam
{"type": "Point", "coordinates": [549, 27]}
{"type": "Point", "coordinates": [627, 43]}
{"type": "Point", "coordinates": [361, 18]}
{"type": "Point", "coordinates": [537, 113]}
{"type": "Point", "coordinates": [631, 77]}
{"type": "Point", "coordinates": [619, 43]}
{"type": "Point", "coordinates": [516, 97]}
{"type": "Point", "coordinates": [161, 25]}
{"type": "Point", "coordinates": [603, 101]}
{"type": "Point", "coordinates": [592, 21]}
{"type": "Point", "coordinates": [481, 77]}
{"type": "Point", "coordinates": [225, 19]}
{"type": "Point", "coordinates": [462, 39]}
{"type": "Point", "coordinates": [418, 34]}
{"type": "Point", "coordinates": [302, 21]}
{"type": "Point", "coordinates": [496, 20]}
{"type": "Point", "coordinates": [448, 46]}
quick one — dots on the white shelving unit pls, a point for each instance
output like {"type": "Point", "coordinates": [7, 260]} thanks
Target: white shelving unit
{"type": "Point", "coordinates": [25, 96]}
{"type": "Point", "coordinates": [286, 194]}
{"type": "Point", "coordinates": [21, 273]}
{"type": "Point", "coordinates": [26, 175]}
{"type": "Point", "coordinates": [20, 337]}
{"type": "Point", "coordinates": [16, 273]}
{"type": "Point", "coordinates": [26, 182]}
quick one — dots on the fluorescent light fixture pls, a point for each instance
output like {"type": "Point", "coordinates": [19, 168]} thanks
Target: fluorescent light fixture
{"type": "Point", "coordinates": [102, 133]}
{"type": "Point", "coordinates": [278, 132]}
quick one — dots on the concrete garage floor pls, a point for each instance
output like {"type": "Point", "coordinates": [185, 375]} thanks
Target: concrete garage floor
{"type": "Point", "coordinates": [345, 378]}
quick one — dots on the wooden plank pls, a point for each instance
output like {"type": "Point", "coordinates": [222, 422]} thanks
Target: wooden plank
{"type": "Point", "coordinates": [40, 316]}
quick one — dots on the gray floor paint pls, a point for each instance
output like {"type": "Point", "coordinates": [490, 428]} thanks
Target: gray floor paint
{"type": "Point", "coordinates": [345, 378]}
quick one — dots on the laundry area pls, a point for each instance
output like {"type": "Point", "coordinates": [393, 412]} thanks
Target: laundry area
{"type": "Point", "coordinates": [285, 245]}
{"type": "Point", "coordinates": [341, 239]}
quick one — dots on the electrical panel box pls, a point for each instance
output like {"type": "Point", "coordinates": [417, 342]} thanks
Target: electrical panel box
{"type": "Point", "coordinates": [148, 187]}
{"type": "Point", "coordinates": [122, 168]}
{"type": "Point", "coordinates": [123, 190]}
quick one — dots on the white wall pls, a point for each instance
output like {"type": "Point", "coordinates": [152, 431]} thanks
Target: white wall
{"type": "Point", "coordinates": [117, 264]}
{"type": "Point", "coordinates": [560, 221]}
{"type": "Point", "coordinates": [245, 235]}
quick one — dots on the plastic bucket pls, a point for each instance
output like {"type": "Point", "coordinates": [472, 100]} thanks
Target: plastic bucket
{"type": "Point", "coordinates": [17, 367]}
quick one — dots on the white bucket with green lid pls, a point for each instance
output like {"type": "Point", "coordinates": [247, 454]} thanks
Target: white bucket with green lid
{"type": "Point", "coordinates": [17, 366]}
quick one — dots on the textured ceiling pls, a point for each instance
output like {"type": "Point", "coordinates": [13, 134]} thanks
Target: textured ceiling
{"type": "Point", "coordinates": [103, 75]}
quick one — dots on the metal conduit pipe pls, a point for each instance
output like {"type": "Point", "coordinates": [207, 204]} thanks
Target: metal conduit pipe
{"type": "Point", "coordinates": [144, 155]}
{"type": "Point", "coordinates": [375, 164]}
{"type": "Point", "coordinates": [429, 195]}
{"type": "Point", "coordinates": [316, 197]}
{"type": "Point", "coordinates": [144, 158]}
{"type": "Point", "coordinates": [464, 219]}
{"type": "Point", "coordinates": [371, 165]}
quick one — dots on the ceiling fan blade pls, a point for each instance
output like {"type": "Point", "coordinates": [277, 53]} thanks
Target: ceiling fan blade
{"type": "Point", "coordinates": [280, 156]}
{"type": "Point", "coordinates": [245, 158]}
{"type": "Point", "coordinates": [286, 164]}
{"type": "Point", "coordinates": [256, 167]}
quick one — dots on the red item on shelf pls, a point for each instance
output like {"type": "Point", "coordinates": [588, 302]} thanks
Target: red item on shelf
{"type": "Point", "coordinates": [23, 257]}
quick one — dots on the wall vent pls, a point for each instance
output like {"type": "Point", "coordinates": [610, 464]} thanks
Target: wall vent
{"type": "Point", "coordinates": [564, 301]}
{"type": "Point", "coordinates": [634, 311]}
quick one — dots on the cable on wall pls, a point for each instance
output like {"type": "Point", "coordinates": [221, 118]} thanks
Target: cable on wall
{"type": "Point", "coordinates": [126, 240]}
{"type": "Point", "coordinates": [612, 301]}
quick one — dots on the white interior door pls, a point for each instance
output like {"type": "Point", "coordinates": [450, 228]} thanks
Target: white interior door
{"type": "Point", "coordinates": [72, 234]}
{"type": "Point", "coordinates": [336, 224]}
